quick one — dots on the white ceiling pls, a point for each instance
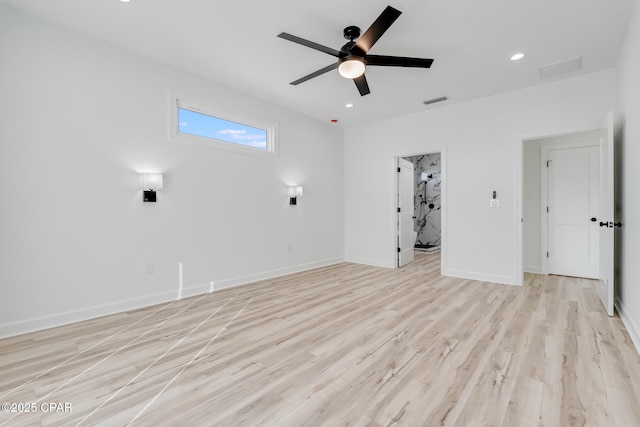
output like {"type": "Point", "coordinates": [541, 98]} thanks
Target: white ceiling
{"type": "Point", "coordinates": [235, 43]}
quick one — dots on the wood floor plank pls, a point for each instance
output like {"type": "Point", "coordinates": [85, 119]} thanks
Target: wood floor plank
{"type": "Point", "coordinates": [344, 345]}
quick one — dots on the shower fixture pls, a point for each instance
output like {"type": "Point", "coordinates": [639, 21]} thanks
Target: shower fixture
{"type": "Point", "coordinates": [425, 176]}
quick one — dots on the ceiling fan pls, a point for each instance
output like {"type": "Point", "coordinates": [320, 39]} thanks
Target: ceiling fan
{"type": "Point", "coordinates": [353, 57]}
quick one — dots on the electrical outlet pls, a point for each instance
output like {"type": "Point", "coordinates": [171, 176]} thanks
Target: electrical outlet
{"type": "Point", "coordinates": [475, 252]}
{"type": "Point", "coordinates": [151, 267]}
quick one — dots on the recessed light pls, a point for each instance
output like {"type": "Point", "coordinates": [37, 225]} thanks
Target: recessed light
{"type": "Point", "coordinates": [125, 1]}
{"type": "Point", "coordinates": [349, 105]}
{"type": "Point", "coordinates": [517, 56]}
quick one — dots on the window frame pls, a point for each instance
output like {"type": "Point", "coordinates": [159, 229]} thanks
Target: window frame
{"type": "Point", "coordinates": [199, 106]}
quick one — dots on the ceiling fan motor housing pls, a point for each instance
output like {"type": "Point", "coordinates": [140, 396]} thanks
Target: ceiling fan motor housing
{"type": "Point", "coordinates": [345, 51]}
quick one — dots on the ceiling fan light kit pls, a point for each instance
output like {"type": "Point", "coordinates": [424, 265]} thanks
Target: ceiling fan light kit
{"type": "Point", "coordinates": [351, 68]}
{"type": "Point", "coordinates": [353, 57]}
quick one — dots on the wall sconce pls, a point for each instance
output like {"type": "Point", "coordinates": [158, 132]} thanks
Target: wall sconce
{"type": "Point", "coordinates": [294, 192]}
{"type": "Point", "coordinates": [151, 182]}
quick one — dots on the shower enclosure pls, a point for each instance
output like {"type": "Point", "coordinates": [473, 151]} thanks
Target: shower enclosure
{"type": "Point", "coordinates": [427, 200]}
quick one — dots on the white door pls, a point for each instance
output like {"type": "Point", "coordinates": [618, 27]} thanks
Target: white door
{"type": "Point", "coordinates": [606, 221]}
{"type": "Point", "coordinates": [573, 211]}
{"type": "Point", "coordinates": [405, 211]}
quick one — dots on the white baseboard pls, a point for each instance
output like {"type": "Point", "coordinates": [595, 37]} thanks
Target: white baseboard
{"type": "Point", "coordinates": [244, 280]}
{"type": "Point", "coordinates": [192, 291]}
{"type": "Point", "coordinates": [503, 280]}
{"type": "Point", "coordinates": [536, 269]}
{"type": "Point", "coordinates": [73, 316]}
{"type": "Point", "coordinates": [630, 324]}
{"type": "Point", "coordinates": [373, 263]}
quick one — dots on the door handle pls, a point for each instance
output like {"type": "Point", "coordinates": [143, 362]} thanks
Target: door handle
{"type": "Point", "coordinates": [593, 219]}
{"type": "Point", "coordinates": [609, 224]}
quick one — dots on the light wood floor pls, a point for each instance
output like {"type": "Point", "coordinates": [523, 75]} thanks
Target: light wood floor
{"type": "Point", "coordinates": [342, 345]}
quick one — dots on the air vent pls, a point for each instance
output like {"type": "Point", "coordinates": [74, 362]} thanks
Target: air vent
{"type": "Point", "coordinates": [434, 100]}
{"type": "Point", "coordinates": [559, 68]}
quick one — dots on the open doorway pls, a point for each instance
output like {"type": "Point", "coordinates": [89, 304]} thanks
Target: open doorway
{"type": "Point", "coordinates": [558, 208]}
{"type": "Point", "coordinates": [535, 199]}
{"type": "Point", "coordinates": [426, 188]}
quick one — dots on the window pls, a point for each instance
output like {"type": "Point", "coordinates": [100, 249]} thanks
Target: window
{"type": "Point", "coordinates": [195, 123]}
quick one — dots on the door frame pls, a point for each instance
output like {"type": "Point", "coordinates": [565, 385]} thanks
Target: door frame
{"type": "Point", "coordinates": [544, 194]}
{"type": "Point", "coordinates": [519, 177]}
{"type": "Point", "coordinates": [443, 205]}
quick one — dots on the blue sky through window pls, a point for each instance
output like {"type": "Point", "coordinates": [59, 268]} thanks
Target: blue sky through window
{"type": "Point", "coordinates": [207, 126]}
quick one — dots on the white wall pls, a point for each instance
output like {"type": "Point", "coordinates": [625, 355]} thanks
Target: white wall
{"type": "Point", "coordinates": [627, 195]}
{"type": "Point", "coordinates": [481, 145]}
{"type": "Point", "coordinates": [80, 120]}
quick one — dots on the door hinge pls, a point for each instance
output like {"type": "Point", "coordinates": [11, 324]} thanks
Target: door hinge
{"type": "Point", "coordinates": [399, 169]}
{"type": "Point", "coordinates": [548, 161]}
{"type": "Point", "coordinates": [547, 254]}
{"type": "Point", "coordinates": [399, 250]}
{"type": "Point", "coordinates": [547, 209]}
{"type": "Point", "coordinates": [398, 210]}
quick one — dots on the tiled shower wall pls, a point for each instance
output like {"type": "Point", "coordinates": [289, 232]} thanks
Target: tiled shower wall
{"type": "Point", "coordinates": [427, 198]}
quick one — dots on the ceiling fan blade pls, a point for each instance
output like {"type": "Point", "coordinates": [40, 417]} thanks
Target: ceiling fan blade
{"type": "Point", "coordinates": [362, 85]}
{"type": "Point", "coordinates": [315, 74]}
{"type": "Point", "coordinates": [398, 61]}
{"type": "Point", "coordinates": [310, 44]}
{"type": "Point", "coordinates": [375, 31]}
